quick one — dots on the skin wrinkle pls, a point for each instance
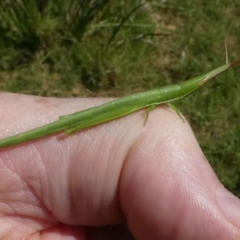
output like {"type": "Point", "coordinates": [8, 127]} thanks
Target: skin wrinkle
{"type": "Point", "coordinates": [98, 203]}
{"type": "Point", "coordinates": [213, 215]}
{"type": "Point", "coordinates": [122, 143]}
{"type": "Point", "coordinates": [105, 140]}
{"type": "Point", "coordinates": [20, 124]}
{"type": "Point", "coordinates": [24, 178]}
{"type": "Point", "coordinates": [52, 177]}
{"type": "Point", "coordinates": [200, 202]}
{"type": "Point", "coordinates": [115, 170]}
{"type": "Point", "coordinates": [195, 172]}
{"type": "Point", "coordinates": [188, 172]}
{"type": "Point", "coordinates": [184, 156]}
{"type": "Point", "coordinates": [107, 167]}
{"type": "Point", "coordinates": [12, 170]}
{"type": "Point", "coordinates": [73, 195]}
{"type": "Point", "coordinates": [33, 184]}
{"type": "Point", "coordinates": [71, 204]}
{"type": "Point", "coordinates": [127, 158]}
{"type": "Point", "coordinates": [105, 181]}
{"type": "Point", "coordinates": [87, 173]}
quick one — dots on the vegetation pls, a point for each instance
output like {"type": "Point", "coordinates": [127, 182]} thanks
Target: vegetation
{"type": "Point", "coordinates": [113, 48]}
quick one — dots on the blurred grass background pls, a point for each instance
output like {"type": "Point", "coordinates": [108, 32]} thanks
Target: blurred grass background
{"type": "Point", "coordinates": [114, 48]}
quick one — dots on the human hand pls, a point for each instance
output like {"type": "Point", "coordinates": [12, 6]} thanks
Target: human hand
{"type": "Point", "coordinates": [153, 178]}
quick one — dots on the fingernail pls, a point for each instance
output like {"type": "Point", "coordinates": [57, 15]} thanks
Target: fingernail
{"type": "Point", "coordinates": [229, 204]}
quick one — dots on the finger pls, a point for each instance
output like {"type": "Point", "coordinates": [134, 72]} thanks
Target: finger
{"type": "Point", "coordinates": [169, 190]}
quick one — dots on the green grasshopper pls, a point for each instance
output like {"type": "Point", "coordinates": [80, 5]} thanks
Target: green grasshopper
{"type": "Point", "coordinates": [117, 108]}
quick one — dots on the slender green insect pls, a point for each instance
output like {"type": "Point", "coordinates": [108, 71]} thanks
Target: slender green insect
{"type": "Point", "coordinates": [117, 108]}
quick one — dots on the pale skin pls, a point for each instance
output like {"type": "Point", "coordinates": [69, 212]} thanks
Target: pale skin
{"type": "Point", "coordinates": [155, 178]}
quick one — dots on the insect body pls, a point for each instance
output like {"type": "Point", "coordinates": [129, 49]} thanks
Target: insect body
{"type": "Point", "coordinates": [117, 108]}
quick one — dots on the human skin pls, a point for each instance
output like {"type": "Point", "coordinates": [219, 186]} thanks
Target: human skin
{"type": "Point", "coordinates": [118, 180]}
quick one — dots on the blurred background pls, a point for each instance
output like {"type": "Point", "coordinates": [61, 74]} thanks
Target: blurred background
{"type": "Point", "coordinates": [106, 48]}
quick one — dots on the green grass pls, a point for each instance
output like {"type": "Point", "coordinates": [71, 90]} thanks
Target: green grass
{"type": "Point", "coordinates": [114, 48]}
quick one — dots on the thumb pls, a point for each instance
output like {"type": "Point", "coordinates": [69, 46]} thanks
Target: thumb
{"type": "Point", "coordinates": [169, 190]}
